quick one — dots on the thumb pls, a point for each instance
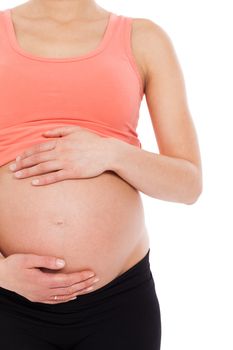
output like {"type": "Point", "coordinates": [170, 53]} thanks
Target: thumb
{"type": "Point", "coordinates": [50, 262]}
{"type": "Point", "coordinates": [62, 131]}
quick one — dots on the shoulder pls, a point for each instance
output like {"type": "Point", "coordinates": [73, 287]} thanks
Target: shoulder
{"type": "Point", "coordinates": [150, 31]}
{"type": "Point", "coordinates": [152, 42]}
{"type": "Point", "coordinates": [1, 15]}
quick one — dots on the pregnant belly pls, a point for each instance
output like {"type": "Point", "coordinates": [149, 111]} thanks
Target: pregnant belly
{"type": "Point", "coordinates": [96, 223]}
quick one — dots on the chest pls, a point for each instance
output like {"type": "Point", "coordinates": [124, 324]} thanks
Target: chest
{"type": "Point", "coordinates": [48, 39]}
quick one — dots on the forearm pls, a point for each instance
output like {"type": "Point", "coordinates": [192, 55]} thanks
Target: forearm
{"type": "Point", "coordinates": [159, 176]}
{"type": "Point", "coordinates": [1, 268]}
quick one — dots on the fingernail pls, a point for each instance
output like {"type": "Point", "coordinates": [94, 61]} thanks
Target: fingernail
{"type": "Point", "coordinates": [60, 262]}
{"type": "Point", "coordinates": [91, 275]}
{"type": "Point", "coordinates": [96, 280]}
{"type": "Point", "coordinates": [18, 173]}
{"type": "Point", "coordinates": [35, 182]}
{"type": "Point", "coordinates": [12, 166]}
{"type": "Point", "coordinates": [90, 288]}
{"type": "Point", "coordinates": [73, 298]}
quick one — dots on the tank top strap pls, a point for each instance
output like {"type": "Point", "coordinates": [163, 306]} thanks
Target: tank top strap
{"type": "Point", "coordinates": [2, 27]}
{"type": "Point", "coordinates": [120, 33]}
{"type": "Point", "coordinates": [5, 46]}
{"type": "Point", "coordinates": [120, 44]}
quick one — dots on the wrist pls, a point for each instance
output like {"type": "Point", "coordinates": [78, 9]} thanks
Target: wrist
{"type": "Point", "coordinates": [118, 152]}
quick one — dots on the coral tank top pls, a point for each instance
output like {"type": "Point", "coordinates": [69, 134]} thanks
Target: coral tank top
{"type": "Point", "coordinates": [101, 90]}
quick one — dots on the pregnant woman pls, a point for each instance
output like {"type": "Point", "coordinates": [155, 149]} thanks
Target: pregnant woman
{"type": "Point", "coordinates": [72, 78]}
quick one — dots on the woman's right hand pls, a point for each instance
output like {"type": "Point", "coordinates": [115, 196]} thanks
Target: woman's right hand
{"type": "Point", "coordinates": [21, 273]}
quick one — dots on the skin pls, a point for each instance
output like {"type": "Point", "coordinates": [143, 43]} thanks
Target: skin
{"type": "Point", "coordinates": [175, 174]}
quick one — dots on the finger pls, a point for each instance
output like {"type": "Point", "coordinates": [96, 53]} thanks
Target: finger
{"type": "Point", "coordinates": [76, 287]}
{"type": "Point", "coordinates": [40, 147]}
{"type": "Point", "coordinates": [64, 280]}
{"type": "Point", "coordinates": [62, 131]}
{"type": "Point", "coordinates": [57, 301]}
{"type": "Point", "coordinates": [42, 168]}
{"type": "Point", "coordinates": [34, 159]}
{"type": "Point", "coordinates": [72, 296]}
{"type": "Point", "coordinates": [50, 262]}
{"type": "Point", "coordinates": [50, 178]}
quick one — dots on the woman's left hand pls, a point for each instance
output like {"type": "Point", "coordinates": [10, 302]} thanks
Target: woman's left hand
{"type": "Point", "coordinates": [76, 153]}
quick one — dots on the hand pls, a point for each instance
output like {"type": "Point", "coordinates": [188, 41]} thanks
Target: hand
{"type": "Point", "coordinates": [76, 153]}
{"type": "Point", "coordinates": [21, 274]}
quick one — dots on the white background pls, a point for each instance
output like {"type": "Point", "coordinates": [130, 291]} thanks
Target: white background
{"type": "Point", "coordinates": [191, 245]}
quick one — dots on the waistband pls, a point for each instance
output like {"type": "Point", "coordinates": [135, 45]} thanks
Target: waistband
{"type": "Point", "coordinates": [133, 277]}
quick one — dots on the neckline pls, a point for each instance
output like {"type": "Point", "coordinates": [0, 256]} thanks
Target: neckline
{"type": "Point", "coordinates": [14, 43]}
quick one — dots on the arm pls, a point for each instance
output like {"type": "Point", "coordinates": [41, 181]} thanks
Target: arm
{"type": "Point", "coordinates": [175, 174]}
{"type": "Point", "coordinates": [1, 268]}
{"type": "Point", "coordinates": [156, 175]}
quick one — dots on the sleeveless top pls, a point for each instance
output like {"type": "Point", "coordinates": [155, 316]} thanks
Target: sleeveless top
{"type": "Point", "coordinates": [101, 90]}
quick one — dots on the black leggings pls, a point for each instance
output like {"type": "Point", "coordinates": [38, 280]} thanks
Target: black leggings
{"type": "Point", "coordinates": [122, 315]}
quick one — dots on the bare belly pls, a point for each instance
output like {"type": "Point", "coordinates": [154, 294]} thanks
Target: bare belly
{"type": "Point", "coordinates": [96, 223]}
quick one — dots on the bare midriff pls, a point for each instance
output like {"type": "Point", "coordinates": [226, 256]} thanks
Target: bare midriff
{"type": "Point", "coordinates": [93, 223]}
